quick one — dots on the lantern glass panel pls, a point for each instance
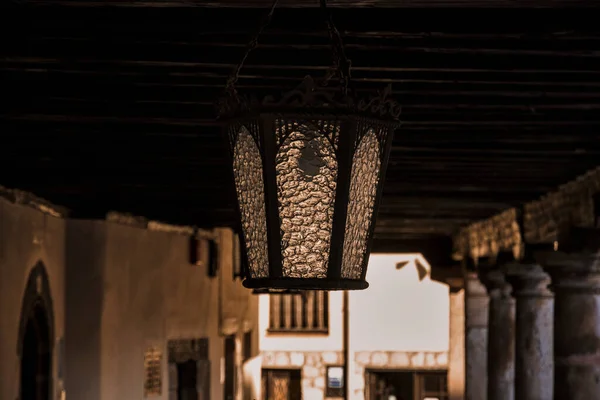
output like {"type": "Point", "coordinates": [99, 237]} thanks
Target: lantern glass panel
{"type": "Point", "coordinates": [250, 188]}
{"type": "Point", "coordinates": [364, 178]}
{"type": "Point", "coordinates": [306, 171]}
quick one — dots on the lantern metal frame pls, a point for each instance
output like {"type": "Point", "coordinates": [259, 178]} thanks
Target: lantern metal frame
{"type": "Point", "coordinates": [314, 104]}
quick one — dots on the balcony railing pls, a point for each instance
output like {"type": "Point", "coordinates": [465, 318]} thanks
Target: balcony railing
{"type": "Point", "coordinates": [306, 312]}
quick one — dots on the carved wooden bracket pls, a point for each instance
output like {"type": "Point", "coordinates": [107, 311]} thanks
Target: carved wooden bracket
{"type": "Point", "coordinates": [546, 220]}
{"type": "Point", "coordinates": [550, 218]}
{"type": "Point", "coordinates": [489, 237]}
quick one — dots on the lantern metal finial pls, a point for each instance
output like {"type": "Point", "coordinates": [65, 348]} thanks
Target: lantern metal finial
{"type": "Point", "coordinates": [308, 168]}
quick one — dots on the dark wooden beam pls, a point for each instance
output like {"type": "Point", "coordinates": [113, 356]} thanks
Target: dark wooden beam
{"type": "Point", "coordinates": [312, 4]}
{"type": "Point", "coordinates": [115, 105]}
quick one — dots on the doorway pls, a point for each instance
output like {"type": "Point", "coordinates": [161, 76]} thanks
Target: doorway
{"type": "Point", "coordinates": [230, 370]}
{"type": "Point", "coordinates": [36, 357]}
{"type": "Point", "coordinates": [189, 369]}
{"type": "Point", "coordinates": [36, 337]}
{"type": "Point", "coordinates": [187, 373]}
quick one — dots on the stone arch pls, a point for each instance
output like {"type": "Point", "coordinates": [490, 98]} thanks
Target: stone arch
{"type": "Point", "coordinates": [37, 325]}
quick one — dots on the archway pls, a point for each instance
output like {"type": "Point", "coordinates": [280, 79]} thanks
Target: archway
{"type": "Point", "coordinates": [36, 337]}
{"type": "Point", "coordinates": [36, 357]}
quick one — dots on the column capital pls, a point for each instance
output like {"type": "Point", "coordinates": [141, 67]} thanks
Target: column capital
{"type": "Point", "coordinates": [574, 271]}
{"type": "Point", "coordinates": [576, 261]}
{"type": "Point", "coordinates": [527, 280]}
{"type": "Point", "coordinates": [473, 285]}
{"type": "Point", "coordinates": [496, 283]}
{"type": "Point", "coordinates": [476, 301]}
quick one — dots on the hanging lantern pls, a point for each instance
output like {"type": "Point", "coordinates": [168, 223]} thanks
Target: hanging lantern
{"type": "Point", "coordinates": [308, 168]}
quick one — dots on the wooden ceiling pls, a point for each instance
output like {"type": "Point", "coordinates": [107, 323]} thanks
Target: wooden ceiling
{"type": "Point", "coordinates": [111, 108]}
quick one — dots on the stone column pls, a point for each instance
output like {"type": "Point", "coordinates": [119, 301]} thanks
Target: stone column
{"type": "Point", "coordinates": [476, 330]}
{"type": "Point", "coordinates": [533, 332]}
{"type": "Point", "coordinates": [456, 351]}
{"type": "Point", "coordinates": [576, 285]}
{"type": "Point", "coordinates": [501, 337]}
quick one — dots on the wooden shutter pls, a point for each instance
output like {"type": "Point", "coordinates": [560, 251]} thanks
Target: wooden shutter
{"type": "Point", "coordinates": [279, 387]}
{"type": "Point", "coordinates": [281, 384]}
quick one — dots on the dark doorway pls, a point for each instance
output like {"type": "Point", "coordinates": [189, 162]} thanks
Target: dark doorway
{"type": "Point", "coordinates": [189, 369]}
{"type": "Point", "coordinates": [36, 356]}
{"type": "Point", "coordinates": [187, 373]}
{"type": "Point", "coordinates": [229, 392]}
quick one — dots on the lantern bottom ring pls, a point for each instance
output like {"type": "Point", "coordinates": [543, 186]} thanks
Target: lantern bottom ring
{"type": "Point", "coordinates": [305, 283]}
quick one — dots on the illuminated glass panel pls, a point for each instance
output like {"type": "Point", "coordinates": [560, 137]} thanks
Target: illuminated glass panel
{"type": "Point", "coordinates": [250, 187]}
{"type": "Point", "coordinates": [366, 165]}
{"type": "Point", "coordinates": [307, 171]}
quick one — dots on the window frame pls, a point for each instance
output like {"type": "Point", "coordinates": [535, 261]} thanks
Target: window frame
{"type": "Point", "coordinates": [295, 329]}
{"type": "Point", "coordinates": [375, 376]}
{"type": "Point", "coordinates": [441, 393]}
{"type": "Point", "coordinates": [334, 392]}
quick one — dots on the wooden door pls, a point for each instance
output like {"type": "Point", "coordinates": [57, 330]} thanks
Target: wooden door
{"type": "Point", "coordinates": [281, 384]}
{"type": "Point", "coordinates": [370, 386]}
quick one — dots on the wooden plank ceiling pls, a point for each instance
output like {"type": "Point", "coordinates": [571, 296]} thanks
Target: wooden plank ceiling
{"type": "Point", "coordinates": [111, 108]}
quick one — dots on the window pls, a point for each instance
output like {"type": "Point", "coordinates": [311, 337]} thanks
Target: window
{"type": "Point", "coordinates": [335, 382]}
{"type": "Point", "coordinates": [409, 385]}
{"type": "Point", "coordinates": [307, 311]}
{"type": "Point", "coordinates": [432, 386]}
{"type": "Point", "coordinates": [152, 372]}
{"type": "Point", "coordinates": [281, 384]}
